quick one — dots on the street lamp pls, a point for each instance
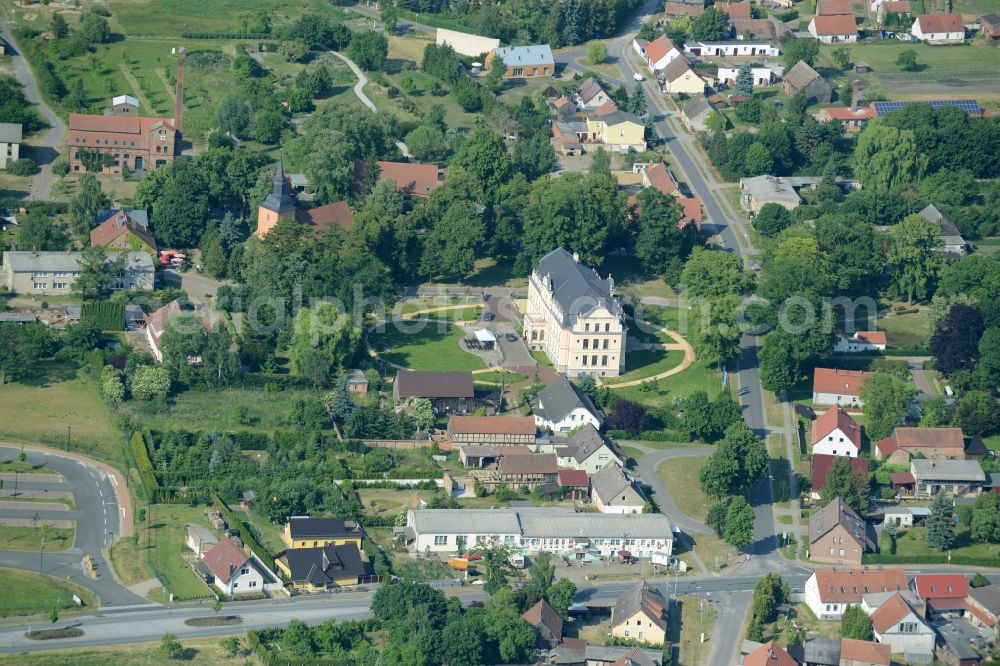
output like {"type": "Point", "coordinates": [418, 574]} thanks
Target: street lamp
{"type": "Point", "coordinates": [41, 552]}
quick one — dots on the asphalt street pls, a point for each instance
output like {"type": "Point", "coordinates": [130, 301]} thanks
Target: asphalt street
{"type": "Point", "coordinates": [97, 517]}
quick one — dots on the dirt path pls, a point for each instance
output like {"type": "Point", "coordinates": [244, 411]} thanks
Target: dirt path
{"type": "Point", "coordinates": [135, 88]}
{"type": "Point", "coordinates": [166, 84]}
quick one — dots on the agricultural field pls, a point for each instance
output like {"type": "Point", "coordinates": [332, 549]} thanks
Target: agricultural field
{"type": "Point", "coordinates": [147, 17]}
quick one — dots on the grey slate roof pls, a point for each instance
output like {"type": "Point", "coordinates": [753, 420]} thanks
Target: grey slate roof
{"type": "Point", "coordinates": [584, 443]}
{"type": "Point", "coordinates": [465, 521]}
{"type": "Point", "coordinates": [616, 117]}
{"type": "Point", "coordinates": [836, 513]}
{"type": "Point", "coordinates": [988, 597]}
{"type": "Point", "coordinates": [431, 384]}
{"type": "Point", "coordinates": [560, 398]}
{"type": "Point", "coordinates": [589, 89]}
{"type": "Point", "coordinates": [949, 232]}
{"type": "Point", "coordinates": [822, 652]}
{"type": "Point", "coordinates": [576, 289]}
{"type": "Point", "coordinates": [948, 470]}
{"type": "Point", "coordinates": [10, 132]}
{"type": "Point", "coordinates": [610, 483]}
{"type": "Point", "coordinates": [321, 566]}
{"type": "Point", "coordinates": [696, 106]}
{"type": "Point", "coordinates": [138, 215]}
{"type": "Point", "coordinates": [612, 653]}
{"type": "Point", "coordinates": [640, 597]}
{"type": "Point", "coordinates": [64, 262]}
{"type": "Point", "coordinates": [542, 522]}
{"type": "Point", "coordinates": [537, 54]}
{"type": "Point", "coordinates": [303, 527]}
{"type": "Point", "coordinates": [801, 75]}
{"type": "Point", "coordinates": [279, 200]}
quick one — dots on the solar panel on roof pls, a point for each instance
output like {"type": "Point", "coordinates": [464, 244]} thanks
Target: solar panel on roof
{"type": "Point", "coordinates": [970, 106]}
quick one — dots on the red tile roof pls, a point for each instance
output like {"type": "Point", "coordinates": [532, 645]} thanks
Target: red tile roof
{"type": "Point", "coordinates": [841, 24]}
{"type": "Point", "coordinates": [866, 652]}
{"type": "Point", "coordinates": [224, 559]}
{"type": "Point", "coordinates": [735, 10]}
{"type": "Point", "coordinates": [769, 654]}
{"type": "Point", "coordinates": [886, 446]}
{"type": "Point", "coordinates": [499, 425]}
{"type": "Point", "coordinates": [604, 109]}
{"type": "Point", "coordinates": [835, 418]}
{"type": "Point", "coordinates": [821, 464]}
{"type": "Point", "coordinates": [119, 225]}
{"type": "Point", "coordinates": [660, 179]}
{"type": "Point", "coordinates": [543, 614]}
{"type": "Point", "coordinates": [871, 337]}
{"type": "Point", "coordinates": [411, 178]}
{"type": "Point", "coordinates": [902, 478]}
{"type": "Point", "coordinates": [844, 113]}
{"type": "Point", "coordinates": [941, 23]}
{"type": "Point", "coordinates": [658, 48]}
{"type": "Point", "coordinates": [85, 122]}
{"type": "Point", "coordinates": [683, 9]}
{"type": "Point", "coordinates": [897, 6]}
{"type": "Point", "coordinates": [941, 586]}
{"type": "Point", "coordinates": [889, 613]}
{"type": "Point", "coordinates": [985, 618]}
{"type": "Point", "coordinates": [692, 211]}
{"type": "Point", "coordinates": [535, 463]}
{"type": "Point", "coordinates": [573, 478]}
{"type": "Point", "coordinates": [338, 213]}
{"type": "Point", "coordinates": [833, 7]}
{"type": "Point", "coordinates": [936, 438]}
{"type": "Point", "coordinates": [848, 586]}
{"type": "Point", "coordinates": [839, 382]}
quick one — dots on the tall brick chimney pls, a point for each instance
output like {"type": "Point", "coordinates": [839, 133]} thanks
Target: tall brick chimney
{"type": "Point", "coordinates": [179, 92]}
{"type": "Point", "coordinates": [855, 95]}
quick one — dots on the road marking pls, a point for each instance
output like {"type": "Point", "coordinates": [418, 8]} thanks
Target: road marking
{"type": "Point", "coordinates": [114, 482]}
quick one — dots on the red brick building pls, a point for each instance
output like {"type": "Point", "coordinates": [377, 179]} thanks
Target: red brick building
{"type": "Point", "coordinates": [133, 142]}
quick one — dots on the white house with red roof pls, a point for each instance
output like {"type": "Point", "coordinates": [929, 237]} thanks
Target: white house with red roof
{"type": "Point", "coordinates": [860, 341]}
{"type": "Point", "coordinates": [836, 29]}
{"type": "Point", "coordinates": [832, 386]}
{"type": "Point", "coordinates": [235, 572]}
{"type": "Point", "coordinates": [939, 28]}
{"type": "Point", "coordinates": [828, 593]}
{"type": "Point", "coordinates": [658, 53]}
{"type": "Point", "coordinates": [897, 621]}
{"type": "Point", "coordinates": [944, 594]}
{"type": "Point", "coordinates": [835, 433]}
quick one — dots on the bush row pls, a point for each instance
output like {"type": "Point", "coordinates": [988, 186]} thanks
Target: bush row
{"type": "Point", "coordinates": [106, 315]}
{"type": "Point", "coordinates": [942, 558]}
{"type": "Point", "coordinates": [228, 35]}
{"type": "Point", "coordinates": [248, 537]}
{"type": "Point", "coordinates": [140, 455]}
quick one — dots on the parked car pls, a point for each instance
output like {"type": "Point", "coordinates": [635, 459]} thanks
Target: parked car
{"type": "Point", "coordinates": [638, 77]}
{"type": "Point", "coordinates": [511, 337]}
{"type": "Point", "coordinates": [488, 316]}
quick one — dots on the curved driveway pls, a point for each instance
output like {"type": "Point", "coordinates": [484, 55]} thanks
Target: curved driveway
{"type": "Point", "coordinates": [98, 519]}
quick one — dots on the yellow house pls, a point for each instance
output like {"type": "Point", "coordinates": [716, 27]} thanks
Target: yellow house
{"type": "Point", "coordinates": [679, 78]}
{"type": "Point", "coordinates": [640, 614]}
{"type": "Point", "coordinates": [323, 567]}
{"type": "Point", "coordinates": [619, 129]}
{"type": "Point", "coordinates": [306, 532]}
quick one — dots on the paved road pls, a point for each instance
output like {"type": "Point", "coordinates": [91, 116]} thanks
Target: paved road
{"type": "Point", "coordinates": [200, 288]}
{"type": "Point", "coordinates": [97, 518]}
{"type": "Point", "coordinates": [44, 149]}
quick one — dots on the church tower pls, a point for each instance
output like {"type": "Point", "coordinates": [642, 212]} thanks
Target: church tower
{"type": "Point", "coordinates": [279, 204]}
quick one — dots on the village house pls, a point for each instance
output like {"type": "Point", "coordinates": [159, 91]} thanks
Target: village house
{"type": "Point", "coordinates": [680, 79]}
{"type": "Point", "coordinates": [658, 176]}
{"type": "Point", "coordinates": [306, 532]}
{"type": "Point", "coordinates": [449, 392]}
{"type": "Point", "coordinates": [735, 10]}
{"type": "Point", "coordinates": [885, 8]}
{"type": "Point", "coordinates": [762, 76]}
{"type": "Point", "coordinates": [612, 491]}
{"type": "Point", "coordinates": [54, 273]}
{"type": "Point", "coordinates": [235, 572]}
{"type": "Point", "coordinates": [530, 530]}
{"type": "Point", "coordinates": [943, 594]}
{"type": "Point", "coordinates": [696, 113]}
{"type": "Point", "coordinates": [838, 535]}
{"type": "Point", "coordinates": [574, 483]}
{"type": "Point", "coordinates": [561, 407]}
{"type": "Point", "coordinates": [803, 78]}
{"type": "Point", "coordinates": [898, 623]}
{"type": "Point", "coordinates": [531, 471]}
{"type": "Point", "coordinates": [692, 8]}
{"type": "Point", "coordinates": [851, 117]}
{"type": "Point", "coordinates": [10, 143]}
{"type": "Point", "coordinates": [931, 443]}
{"type": "Point", "coordinates": [757, 191]}
{"type": "Point", "coordinates": [591, 95]}
{"type": "Point", "coordinates": [730, 49]}
{"type": "Point", "coordinates": [989, 25]}
{"type": "Point", "coordinates": [821, 464]}
{"type": "Point", "coordinates": [838, 29]}
{"type": "Point", "coordinates": [864, 653]}
{"type": "Point", "coordinates": [658, 53]}
{"type": "Point", "coordinates": [492, 430]}
{"type": "Point", "coordinates": [574, 317]}
{"type": "Point", "coordinates": [323, 567]}
{"type": "Point", "coordinates": [762, 29]}
{"type": "Point", "coordinates": [524, 61]}
{"type": "Point", "coordinates": [768, 654]}
{"type": "Point", "coordinates": [939, 28]}
{"type": "Point", "coordinates": [123, 141]}
{"type": "Point", "coordinates": [484, 455]}
{"type": "Point", "coordinates": [622, 131]}
{"type": "Point", "coordinates": [838, 387]}
{"type": "Point", "coordinates": [954, 246]}
{"type": "Point", "coordinates": [859, 341]}
{"type": "Point", "coordinates": [412, 178]}
{"type": "Point", "coordinates": [465, 43]}
{"type": "Point", "coordinates": [835, 433]}
{"type": "Point", "coordinates": [547, 623]}
{"type": "Point", "coordinates": [640, 614]}
{"type": "Point", "coordinates": [983, 605]}
{"type": "Point", "coordinates": [587, 449]}
{"type": "Point", "coordinates": [829, 592]}
{"type": "Point", "coordinates": [124, 230]}
{"type": "Point", "coordinates": [957, 478]}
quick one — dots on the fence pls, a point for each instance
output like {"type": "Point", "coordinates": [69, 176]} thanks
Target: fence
{"type": "Point", "coordinates": [399, 444]}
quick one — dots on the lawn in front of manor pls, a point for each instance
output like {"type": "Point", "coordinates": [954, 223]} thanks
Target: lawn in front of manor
{"type": "Point", "coordinates": [699, 376]}
{"type": "Point", "coordinates": [424, 344]}
{"type": "Point", "coordinates": [647, 363]}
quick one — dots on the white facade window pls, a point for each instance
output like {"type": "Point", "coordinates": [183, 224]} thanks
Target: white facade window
{"type": "Point", "coordinates": [59, 285]}
{"type": "Point", "coordinates": [440, 540]}
{"type": "Point", "coordinates": [39, 285]}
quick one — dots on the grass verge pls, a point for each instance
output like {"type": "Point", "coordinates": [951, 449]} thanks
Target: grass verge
{"type": "Point", "coordinates": [30, 538]}
{"type": "Point", "coordinates": [28, 593]}
{"type": "Point", "coordinates": [680, 476]}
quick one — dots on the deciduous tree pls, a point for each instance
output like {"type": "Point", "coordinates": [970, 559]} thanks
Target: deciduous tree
{"type": "Point", "coordinates": [739, 523]}
{"type": "Point", "coordinates": [955, 341]}
{"type": "Point", "coordinates": [855, 623]}
{"type": "Point", "coordinates": [843, 482]}
{"type": "Point", "coordinates": [886, 400]}
{"type": "Point", "coordinates": [914, 257]}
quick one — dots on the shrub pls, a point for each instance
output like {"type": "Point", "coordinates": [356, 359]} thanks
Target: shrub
{"type": "Point", "coordinates": [106, 315]}
{"type": "Point", "coordinates": [22, 167]}
{"type": "Point", "coordinates": [60, 167]}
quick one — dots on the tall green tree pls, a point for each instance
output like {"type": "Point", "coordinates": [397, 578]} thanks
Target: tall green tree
{"type": "Point", "coordinates": [778, 362]}
{"type": "Point", "coordinates": [914, 257]}
{"type": "Point", "coordinates": [86, 204]}
{"type": "Point", "coordinates": [369, 50]}
{"type": "Point", "coordinates": [955, 341]}
{"type": "Point", "coordinates": [855, 623]}
{"type": "Point", "coordinates": [21, 347]}
{"type": "Point", "coordinates": [712, 274]}
{"type": "Point", "coordinates": [941, 522]}
{"type": "Point", "coordinates": [739, 523]}
{"type": "Point", "coordinates": [843, 482]}
{"type": "Point", "coordinates": [710, 26]}
{"type": "Point", "coordinates": [323, 340]}
{"type": "Point", "coordinates": [886, 400]}
{"type": "Point", "coordinates": [484, 155]}
{"type": "Point", "coordinates": [743, 84]}
{"type": "Point", "coordinates": [37, 231]}
{"type": "Point", "coordinates": [886, 158]}
{"type": "Point", "coordinates": [98, 271]}
{"type": "Point", "coordinates": [738, 462]}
